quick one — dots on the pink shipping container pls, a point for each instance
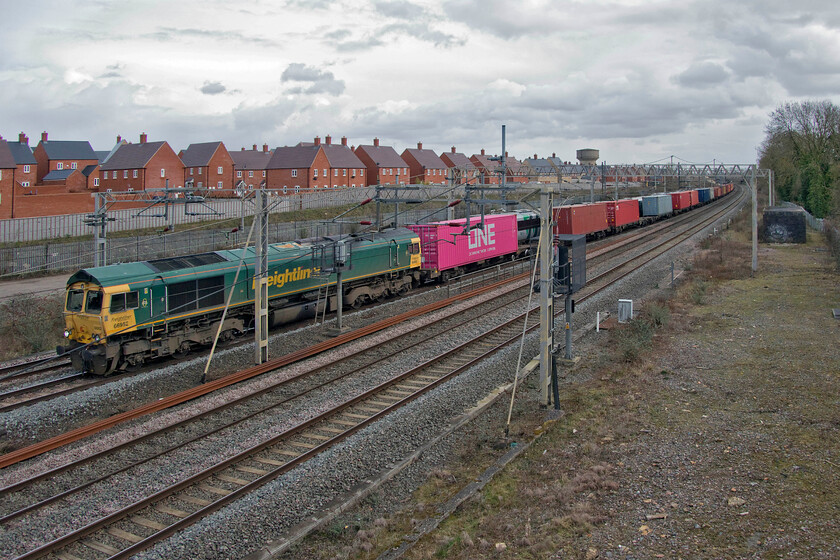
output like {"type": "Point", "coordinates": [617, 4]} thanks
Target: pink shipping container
{"type": "Point", "coordinates": [580, 219]}
{"type": "Point", "coordinates": [443, 245]}
{"type": "Point", "coordinates": [681, 200]}
{"type": "Point", "coordinates": [695, 197]}
{"type": "Point", "coordinates": [622, 212]}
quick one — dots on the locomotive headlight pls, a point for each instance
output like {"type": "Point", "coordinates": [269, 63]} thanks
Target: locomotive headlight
{"type": "Point", "coordinates": [96, 338]}
{"type": "Point", "coordinates": [67, 333]}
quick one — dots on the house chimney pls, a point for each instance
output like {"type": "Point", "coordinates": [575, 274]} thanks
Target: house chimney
{"type": "Point", "coordinates": [255, 147]}
{"type": "Point", "coordinates": [265, 148]}
{"type": "Point", "coordinates": [143, 138]}
{"type": "Point", "coordinates": [119, 138]}
{"type": "Point", "coordinates": [328, 139]}
{"type": "Point", "coordinates": [243, 148]}
{"type": "Point", "coordinates": [44, 136]}
{"type": "Point", "coordinates": [506, 154]}
{"type": "Point", "coordinates": [419, 145]}
{"type": "Point", "coordinates": [553, 154]}
{"type": "Point", "coordinates": [23, 139]}
{"type": "Point", "coordinates": [482, 151]}
{"type": "Point", "coordinates": [343, 140]}
{"type": "Point", "coordinates": [535, 156]}
{"type": "Point", "coordinates": [317, 140]}
{"type": "Point", "coordinates": [453, 149]}
{"type": "Point", "coordinates": [376, 142]}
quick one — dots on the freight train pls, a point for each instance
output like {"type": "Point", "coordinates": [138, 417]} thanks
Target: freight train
{"type": "Point", "coordinates": [122, 315]}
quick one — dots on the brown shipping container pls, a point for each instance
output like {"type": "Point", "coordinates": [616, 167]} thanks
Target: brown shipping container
{"type": "Point", "coordinates": [622, 212]}
{"type": "Point", "coordinates": [695, 197]}
{"type": "Point", "coordinates": [681, 200]}
{"type": "Point", "coordinates": [580, 219]}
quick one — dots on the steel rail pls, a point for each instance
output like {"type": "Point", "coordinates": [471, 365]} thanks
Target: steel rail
{"type": "Point", "coordinates": [464, 359]}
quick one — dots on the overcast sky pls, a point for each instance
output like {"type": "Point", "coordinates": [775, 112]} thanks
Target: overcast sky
{"type": "Point", "coordinates": [638, 80]}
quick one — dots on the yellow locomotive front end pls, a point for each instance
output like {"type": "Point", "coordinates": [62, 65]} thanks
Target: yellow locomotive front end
{"type": "Point", "coordinates": [91, 314]}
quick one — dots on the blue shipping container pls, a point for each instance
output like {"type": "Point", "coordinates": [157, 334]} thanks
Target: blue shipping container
{"type": "Point", "coordinates": [705, 195]}
{"type": "Point", "coordinates": [657, 205]}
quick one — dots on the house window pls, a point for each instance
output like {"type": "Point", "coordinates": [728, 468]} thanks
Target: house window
{"type": "Point", "coordinates": [163, 172]}
{"type": "Point", "coordinates": [239, 174]}
{"type": "Point", "coordinates": [335, 172]}
{"type": "Point", "coordinates": [96, 181]}
{"type": "Point", "coordinates": [59, 166]}
{"type": "Point", "coordinates": [73, 165]}
{"type": "Point", "coordinates": [219, 170]}
{"type": "Point", "coordinates": [297, 189]}
{"type": "Point", "coordinates": [325, 173]}
{"type": "Point", "coordinates": [361, 172]}
{"type": "Point", "coordinates": [199, 171]}
{"type": "Point", "coordinates": [200, 184]}
{"type": "Point", "coordinates": [26, 169]}
{"type": "Point", "coordinates": [354, 185]}
{"type": "Point", "coordinates": [191, 170]}
{"type": "Point", "coordinates": [130, 189]}
{"type": "Point", "coordinates": [263, 173]}
{"type": "Point", "coordinates": [113, 174]}
{"type": "Point", "coordinates": [219, 185]}
{"type": "Point", "coordinates": [250, 174]}
{"type": "Point", "coordinates": [125, 173]}
{"type": "Point", "coordinates": [24, 184]}
{"type": "Point", "coordinates": [315, 171]}
{"type": "Point", "coordinates": [284, 189]}
{"type": "Point", "coordinates": [344, 172]}
{"type": "Point", "coordinates": [134, 173]}
{"type": "Point", "coordinates": [294, 172]}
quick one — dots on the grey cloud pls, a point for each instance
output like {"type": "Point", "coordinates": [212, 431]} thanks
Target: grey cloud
{"type": "Point", "coordinates": [338, 34]}
{"type": "Point", "coordinates": [423, 32]}
{"type": "Point", "coordinates": [400, 9]}
{"type": "Point", "coordinates": [212, 88]}
{"type": "Point", "coordinates": [175, 33]}
{"type": "Point", "coordinates": [323, 82]}
{"type": "Point", "coordinates": [702, 75]}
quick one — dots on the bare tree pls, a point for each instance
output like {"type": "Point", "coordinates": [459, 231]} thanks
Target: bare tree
{"type": "Point", "coordinates": [802, 145]}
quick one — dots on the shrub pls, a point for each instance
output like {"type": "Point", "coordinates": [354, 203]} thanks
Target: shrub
{"type": "Point", "coordinates": [30, 324]}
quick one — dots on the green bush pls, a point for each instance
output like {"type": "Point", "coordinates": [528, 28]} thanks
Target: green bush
{"type": "Point", "coordinates": [30, 324]}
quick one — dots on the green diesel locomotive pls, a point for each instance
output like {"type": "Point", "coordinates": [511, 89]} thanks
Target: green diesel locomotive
{"type": "Point", "coordinates": [121, 315]}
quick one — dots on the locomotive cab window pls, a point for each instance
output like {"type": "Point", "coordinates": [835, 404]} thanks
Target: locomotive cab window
{"type": "Point", "coordinates": [124, 301]}
{"type": "Point", "coordinates": [93, 302]}
{"type": "Point", "coordinates": [414, 249]}
{"type": "Point", "coordinates": [75, 300]}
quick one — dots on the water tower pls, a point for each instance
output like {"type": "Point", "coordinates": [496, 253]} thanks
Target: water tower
{"type": "Point", "coordinates": [588, 156]}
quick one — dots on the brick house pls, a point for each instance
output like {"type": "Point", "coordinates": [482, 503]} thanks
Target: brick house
{"type": "Point", "coordinates": [515, 171]}
{"type": "Point", "coordinates": [26, 165]}
{"type": "Point", "coordinates": [488, 169]}
{"type": "Point", "coordinates": [249, 166]}
{"type": "Point", "coordinates": [464, 170]}
{"type": "Point", "coordinates": [7, 178]}
{"type": "Point", "coordinates": [209, 165]}
{"type": "Point", "coordinates": [292, 168]}
{"type": "Point", "coordinates": [315, 165]}
{"type": "Point", "coordinates": [58, 155]}
{"type": "Point", "coordinates": [142, 167]}
{"type": "Point", "coordinates": [424, 166]}
{"type": "Point", "coordinates": [383, 164]}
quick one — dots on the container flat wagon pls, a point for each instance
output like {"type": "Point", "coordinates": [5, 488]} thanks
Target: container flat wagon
{"type": "Point", "coordinates": [581, 219]}
{"type": "Point", "coordinates": [657, 205]}
{"type": "Point", "coordinates": [449, 248]}
{"type": "Point", "coordinates": [622, 213]}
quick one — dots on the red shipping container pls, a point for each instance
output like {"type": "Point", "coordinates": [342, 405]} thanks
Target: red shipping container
{"type": "Point", "coordinates": [681, 200]}
{"type": "Point", "coordinates": [622, 212]}
{"type": "Point", "coordinates": [695, 197]}
{"type": "Point", "coordinates": [580, 219]}
{"type": "Point", "coordinates": [443, 245]}
{"type": "Point", "coordinates": [718, 192]}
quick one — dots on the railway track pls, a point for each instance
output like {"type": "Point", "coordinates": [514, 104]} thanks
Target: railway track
{"type": "Point", "coordinates": [139, 525]}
